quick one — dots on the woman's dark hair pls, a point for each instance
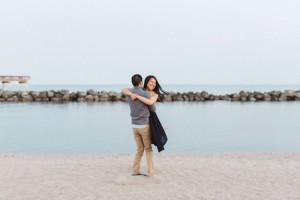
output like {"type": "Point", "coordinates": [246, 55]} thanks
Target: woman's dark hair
{"type": "Point", "coordinates": [158, 90]}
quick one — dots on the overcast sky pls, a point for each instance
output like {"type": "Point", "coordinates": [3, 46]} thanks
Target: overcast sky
{"type": "Point", "coordinates": [179, 41]}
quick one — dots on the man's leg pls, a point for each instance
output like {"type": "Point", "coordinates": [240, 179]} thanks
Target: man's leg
{"type": "Point", "coordinates": [146, 134]}
{"type": "Point", "coordinates": [139, 152]}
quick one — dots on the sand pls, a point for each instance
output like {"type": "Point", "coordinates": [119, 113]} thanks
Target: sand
{"type": "Point", "coordinates": [267, 176]}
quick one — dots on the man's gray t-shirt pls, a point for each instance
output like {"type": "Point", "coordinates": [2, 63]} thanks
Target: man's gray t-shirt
{"type": "Point", "coordinates": [139, 111]}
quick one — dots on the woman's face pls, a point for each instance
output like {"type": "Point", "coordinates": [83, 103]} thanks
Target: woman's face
{"type": "Point", "coordinates": [151, 84]}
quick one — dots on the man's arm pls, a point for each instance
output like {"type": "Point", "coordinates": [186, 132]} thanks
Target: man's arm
{"type": "Point", "coordinates": [127, 91]}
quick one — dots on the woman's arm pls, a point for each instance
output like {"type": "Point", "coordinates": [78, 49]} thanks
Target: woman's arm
{"type": "Point", "coordinates": [150, 101]}
{"type": "Point", "coordinates": [126, 91]}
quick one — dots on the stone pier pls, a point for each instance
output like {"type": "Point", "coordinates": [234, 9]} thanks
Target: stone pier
{"type": "Point", "coordinates": [63, 96]}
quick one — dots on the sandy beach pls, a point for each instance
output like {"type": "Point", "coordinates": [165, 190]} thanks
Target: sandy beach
{"type": "Point", "coordinates": [178, 176]}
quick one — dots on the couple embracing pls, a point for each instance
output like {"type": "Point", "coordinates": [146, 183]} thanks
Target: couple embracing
{"type": "Point", "coordinates": [146, 127]}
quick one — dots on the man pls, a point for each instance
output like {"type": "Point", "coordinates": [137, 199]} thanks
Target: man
{"type": "Point", "coordinates": [140, 125]}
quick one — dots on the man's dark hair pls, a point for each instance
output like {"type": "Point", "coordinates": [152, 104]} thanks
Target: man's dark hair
{"type": "Point", "coordinates": [136, 79]}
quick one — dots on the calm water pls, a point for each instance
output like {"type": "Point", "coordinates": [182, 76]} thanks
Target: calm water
{"type": "Point", "coordinates": [191, 127]}
{"type": "Point", "coordinates": [214, 89]}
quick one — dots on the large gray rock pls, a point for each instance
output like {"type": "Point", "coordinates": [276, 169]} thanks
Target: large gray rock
{"type": "Point", "coordinates": [118, 96]}
{"type": "Point", "coordinates": [72, 96]}
{"type": "Point", "coordinates": [267, 97]}
{"type": "Point", "coordinates": [43, 94]}
{"type": "Point", "coordinates": [198, 97]}
{"type": "Point", "coordinates": [89, 98]}
{"type": "Point", "coordinates": [243, 95]}
{"type": "Point", "coordinates": [275, 93]}
{"type": "Point", "coordinates": [177, 97]}
{"type": "Point", "coordinates": [81, 94]}
{"type": "Point", "coordinates": [104, 97]}
{"type": "Point", "coordinates": [235, 97]}
{"type": "Point", "coordinates": [13, 99]}
{"type": "Point", "coordinates": [123, 98]}
{"type": "Point", "coordinates": [11, 94]}
{"type": "Point", "coordinates": [185, 97]}
{"type": "Point", "coordinates": [5, 95]}
{"type": "Point", "coordinates": [211, 97]}
{"type": "Point", "coordinates": [284, 96]}
{"type": "Point", "coordinates": [27, 98]}
{"type": "Point", "coordinates": [243, 98]}
{"type": "Point", "coordinates": [258, 96]}
{"type": "Point", "coordinates": [297, 95]}
{"type": "Point", "coordinates": [226, 98]}
{"type": "Point", "coordinates": [35, 95]}
{"type": "Point", "coordinates": [50, 94]}
{"type": "Point", "coordinates": [63, 92]}
{"type": "Point", "coordinates": [289, 92]}
{"type": "Point", "coordinates": [90, 92]}
{"type": "Point", "coordinates": [24, 93]}
{"type": "Point", "coordinates": [65, 97]}
{"type": "Point", "coordinates": [168, 97]}
{"type": "Point", "coordinates": [251, 98]}
{"type": "Point", "coordinates": [81, 99]}
{"type": "Point", "coordinates": [205, 95]}
{"type": "Point", "coordinates": [221, 97]}
{"type": "Point", "coordinates": [56, 99]}
{"type": "Point", "coordinates": [58, 95]}
{"type": "Point", "coordinates": [96, 98]}
{"type": "Point", "coordinates": [274, 98]}
{"type": "Point", "coordinates": [112, 96]}
{"type": "Point", "coordinates": [191, 96]}
{"type": "Point", "coordinates": [290, 95]}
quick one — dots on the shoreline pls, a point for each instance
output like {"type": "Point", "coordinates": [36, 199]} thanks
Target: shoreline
{"type": "Point", "coordinates": [238, 175]}
{"type": "Point", "coordinates": [65, 96]}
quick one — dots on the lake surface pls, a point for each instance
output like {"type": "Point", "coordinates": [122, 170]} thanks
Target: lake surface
{"type": "Point", "coordinates": [191, 127]}
{"type": "Point", "coordinates": [213, 89]}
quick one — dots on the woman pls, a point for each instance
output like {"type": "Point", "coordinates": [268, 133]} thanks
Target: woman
{"type": "Point", "coordinates": [151, 84]}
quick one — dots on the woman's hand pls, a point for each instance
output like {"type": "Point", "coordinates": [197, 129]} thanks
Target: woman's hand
{"type": "Point", "coordinates": [134, 96]}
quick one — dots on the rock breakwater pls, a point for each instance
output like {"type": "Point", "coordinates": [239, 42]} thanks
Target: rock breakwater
{"type": "Point", "coordinates": [62, 96]}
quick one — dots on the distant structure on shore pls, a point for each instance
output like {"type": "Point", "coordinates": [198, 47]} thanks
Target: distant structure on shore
{"type": "Point", "coordinates": [9, 79]}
